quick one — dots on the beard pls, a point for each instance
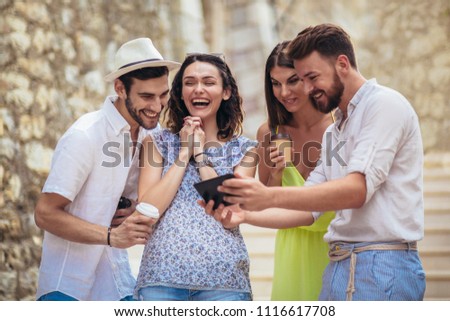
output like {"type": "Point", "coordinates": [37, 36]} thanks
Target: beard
{"type": "Point", "coordinates": [134, 114]}
{"type": "Point", "coordinates": [334, 97]}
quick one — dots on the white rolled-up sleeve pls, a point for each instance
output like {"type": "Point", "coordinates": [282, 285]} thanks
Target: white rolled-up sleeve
{"type": "Point", "coordinates": [376, 145]}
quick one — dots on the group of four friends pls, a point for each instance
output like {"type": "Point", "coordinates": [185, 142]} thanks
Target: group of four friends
{"type": "Point", "coordinates": [349, 213]}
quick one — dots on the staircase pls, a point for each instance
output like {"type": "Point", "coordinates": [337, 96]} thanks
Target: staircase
{"type": "Point", "coordinates": [260, 245]}
{"type": "Point", "coordinates": [434, 249]}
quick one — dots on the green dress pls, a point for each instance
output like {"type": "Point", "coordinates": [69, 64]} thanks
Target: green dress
{"type": "Point", "coordinates": [301, 254]}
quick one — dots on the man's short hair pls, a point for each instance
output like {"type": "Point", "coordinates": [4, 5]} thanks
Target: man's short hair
{"type": "Point", "coordinates": [329, 40]}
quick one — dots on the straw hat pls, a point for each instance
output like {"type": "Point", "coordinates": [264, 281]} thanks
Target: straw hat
{"type": "Point", "coordinates": [136, 54]}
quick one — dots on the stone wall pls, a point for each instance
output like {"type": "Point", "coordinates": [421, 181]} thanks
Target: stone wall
{"type": "Point", "coordinates": [249, 38]}
{"type": "Point", "coordinates": [53, 57]}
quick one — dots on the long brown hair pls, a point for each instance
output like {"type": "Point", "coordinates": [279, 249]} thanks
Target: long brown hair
{"type": "Point", "coordinates": [230, 114]}
{"type": "Point", "coordinates": [277, 114]}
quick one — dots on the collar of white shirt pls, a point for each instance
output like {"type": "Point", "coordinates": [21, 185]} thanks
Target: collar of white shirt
{"type": "Point", "coordinates": [118, 123]}
{"type": "Point", "coordinates": [355, 100]}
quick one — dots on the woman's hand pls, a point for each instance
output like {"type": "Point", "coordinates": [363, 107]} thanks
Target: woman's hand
{"type": "Point", "coordinates": [196, 138]}
{"type": "Point", "coordinates": [199, 140]}
{"type": "Point", "coordinates": [230, 216]}
{"type": "Point", "coordinates": [187, 138]}
{"type": "Point", "coordinates": [278, 161]}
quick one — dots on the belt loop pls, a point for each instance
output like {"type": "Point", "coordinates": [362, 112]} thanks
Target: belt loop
{"type": "Point", "coordinates": [412, 246]}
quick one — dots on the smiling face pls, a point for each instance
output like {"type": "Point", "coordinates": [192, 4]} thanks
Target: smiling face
{"type": "Point", "coordinates": [321, 81]}
{"type": "Point", "coordinates": [146, 99]}
{"type": "Point", "coordinates": [202, 89]}
{"type": "Point", "coordinates": [288, 88]}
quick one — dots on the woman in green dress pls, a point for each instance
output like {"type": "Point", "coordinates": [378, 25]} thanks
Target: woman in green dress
{"type": "Point", "coordinates": [300, 253]}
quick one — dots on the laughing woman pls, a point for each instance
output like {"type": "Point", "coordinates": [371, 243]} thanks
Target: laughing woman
{"type": "Point", "coordinates": [190, 256]}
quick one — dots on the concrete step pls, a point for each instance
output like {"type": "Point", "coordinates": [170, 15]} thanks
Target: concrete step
{"type": "Point", "coordinates": [437, 160]}
{"type": "Point", "coordinates": [436, 203]}
{"type": "Point", "coordinates": [259, 241]}
{"type": "Point", "coordinates": [250, 230]}
{"type": "Point", "coordinates": [435, 236]}
{"type": "Point", "coordinates": [438, 285]}
{"type": "Point", "coordinates": [437, 219]}
{"type": "Point", "coordinates": [436, 187]}
{"type": "Point", "coordinates": [261, 286]}
{"type": "Point", "coordinates": [434, 249]}
{"type": "Point", "coordinates": [261, 263]}
{"type": "Point", "coordinates": [435, 258]}
{"type": "Point", "coordinates": [436, 173]}
{"type": "Point", "coordinates": [260, 244]}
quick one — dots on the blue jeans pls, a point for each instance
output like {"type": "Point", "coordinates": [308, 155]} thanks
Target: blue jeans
{"type": "Point", "coordinates": [56, 296]}
{"type": "Point", "coordinates": [163, 293]}
{"type": "Point", "coordinates": [59, 296]}
{"type": "Point", "coordinates": [380, 275]}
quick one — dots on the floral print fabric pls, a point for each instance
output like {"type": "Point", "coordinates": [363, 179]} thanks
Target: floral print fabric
{"type": "Point", "coordinates": [189, 248]}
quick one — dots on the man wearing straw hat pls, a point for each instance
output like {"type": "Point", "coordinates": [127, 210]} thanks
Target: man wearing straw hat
{"type": "Point", "coordinates": [94, 165]}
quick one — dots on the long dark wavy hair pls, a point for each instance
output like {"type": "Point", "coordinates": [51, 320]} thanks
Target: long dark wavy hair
{"type": "Point", "coordinates": [277, 114]}
{"type": "Point", "coordinates": [230, 114]}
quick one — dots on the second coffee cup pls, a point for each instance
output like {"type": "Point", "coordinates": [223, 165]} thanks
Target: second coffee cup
{"type": "Point", "coordinates": [284, 144]}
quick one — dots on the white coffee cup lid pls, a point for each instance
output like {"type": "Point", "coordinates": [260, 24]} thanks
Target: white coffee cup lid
{"type": "Point", "coordinates": [147, 210]}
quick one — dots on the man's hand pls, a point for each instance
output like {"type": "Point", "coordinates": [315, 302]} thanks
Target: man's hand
{"type": "Point", "coordinates": [248, 192]}
{"type": "Point", "coordinates": [135, 229]}
{"type": "Point", "coordinates": [229, 216]}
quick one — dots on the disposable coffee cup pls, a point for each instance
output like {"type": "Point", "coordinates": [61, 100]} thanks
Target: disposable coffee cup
{"type": "Point", "coordinates": [284, 144]}
{"type": "Point", "coordinates": [148, 210]}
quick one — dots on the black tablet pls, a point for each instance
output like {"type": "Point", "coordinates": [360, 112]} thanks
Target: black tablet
{"type": "Point", "coordinates": [208, 190]}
